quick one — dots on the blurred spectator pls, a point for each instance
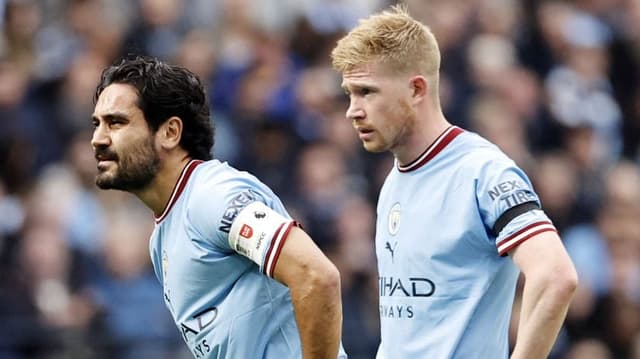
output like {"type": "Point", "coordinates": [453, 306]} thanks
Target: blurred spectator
{"type": "Point", "coordinates": [500, 17]}
{"type": "Point", "coordinates": [490, 57]}
{"type": "Point", "coordinates": [580, 93]}
{"type": "Point", "coordinates": [492, 119]}
{"type": "Point", "coordinates": [51, 279]}
{"type": "Point", "coordinates": [198, 53]}
{"type": "Point", "coordinates": [20, 26]}
{"type": "Point", "coordinates": [607, 258]}
{"type": "Point", "coordinates": [133, 316]}
{"type": "Point", "coordinates": [322, 188]}
{"type": "Point", "coordinates": [160, 29]}
{"type": "Point", "coordinates": [71, 103]}
{"type": "Point", "coordinates": [353, 254]}
{"type": "Point", "coordinates": [315, 94]}
{"type": "Point", "coordinates": [556, 179]}
{"type": "Point", "coordinates": [85, 223]}
{"type": "Point", "coordinates": [337, 15]}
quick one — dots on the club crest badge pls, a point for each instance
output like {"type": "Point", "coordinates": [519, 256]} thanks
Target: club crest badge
{"type": "Point", "coordinates": [165, 265]}
{"type": "Point", "coordinates": [394, 219]}
{"type": "Point", "coordinates": [165, 281]}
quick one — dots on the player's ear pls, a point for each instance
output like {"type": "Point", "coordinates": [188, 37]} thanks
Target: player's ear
{"type": "Point", "coordinates": [170, 133]}
{"type": "Point", "coordinates": [419, 88]}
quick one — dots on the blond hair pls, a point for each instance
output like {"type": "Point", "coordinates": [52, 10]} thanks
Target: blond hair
{"type": "Point", "coordinates": [394, 39]}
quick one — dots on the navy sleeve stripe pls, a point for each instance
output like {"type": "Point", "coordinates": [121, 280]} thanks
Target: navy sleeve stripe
{"type": "Point", "coordinates": [512, 213]}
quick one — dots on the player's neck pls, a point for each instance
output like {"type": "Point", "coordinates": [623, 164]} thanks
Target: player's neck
{"type": "Point", "coordinates": [424, 132]}
{"type": "Point", "coordinates": [157, 194]}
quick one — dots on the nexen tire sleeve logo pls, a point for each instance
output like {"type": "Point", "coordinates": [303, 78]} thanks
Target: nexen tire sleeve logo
{"type": "Point", "coordinates": [235, 206]}
{"type": "Point", "coordinates": [511, 193]}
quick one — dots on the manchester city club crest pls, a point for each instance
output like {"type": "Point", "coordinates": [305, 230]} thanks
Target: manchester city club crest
{"type": "Point", "coordinates": [394, 219]}
{"type": "Point", "coordinates": [165, 265]}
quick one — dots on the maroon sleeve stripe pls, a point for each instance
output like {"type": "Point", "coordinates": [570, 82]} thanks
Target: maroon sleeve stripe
{"type": "Point", "coordinates": [278, 249]}
{"type": "Point", "coordinates": [522, 235]}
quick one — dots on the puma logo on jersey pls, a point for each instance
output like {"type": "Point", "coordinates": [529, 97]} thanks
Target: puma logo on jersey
{"type": "Point", "coordinates": [391, 249]}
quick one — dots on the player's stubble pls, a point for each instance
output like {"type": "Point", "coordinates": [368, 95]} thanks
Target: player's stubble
{"type": "Point", "coordinates": [395, 130]}
{"type": "Point", "coordinates": [133, 168]}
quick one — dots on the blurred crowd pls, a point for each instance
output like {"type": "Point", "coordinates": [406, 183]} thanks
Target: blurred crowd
{"type": "Point", "coordinates": [555, 84]}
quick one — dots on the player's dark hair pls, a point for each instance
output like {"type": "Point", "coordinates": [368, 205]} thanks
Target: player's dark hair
{"type": "Point", "coordinates": [164, 91]}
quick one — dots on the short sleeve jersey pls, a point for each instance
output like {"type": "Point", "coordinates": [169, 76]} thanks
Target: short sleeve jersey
{"type": "Point", "coordinates": [446, 223]}
{"type": "Point", "coordinates": [219, 289]}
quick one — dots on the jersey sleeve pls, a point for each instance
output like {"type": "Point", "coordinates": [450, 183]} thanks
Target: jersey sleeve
{"type": "Point", "coordinates": [245, 219]}
{"type": "Point", "coordinates": [509, 207]}
{"type": "Point", "coordinates": [258, 233]}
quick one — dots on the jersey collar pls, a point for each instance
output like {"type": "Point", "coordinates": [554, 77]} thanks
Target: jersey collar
{"type": "Point", "coordinates": [178, 188]}
{"type": "Point", "coordinates": [436, 147]}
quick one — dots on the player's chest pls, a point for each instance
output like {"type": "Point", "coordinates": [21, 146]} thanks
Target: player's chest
{"type": "Point", "coordinates": [423, 223]}
{"type": "Point", "coordinates": [185, 264]}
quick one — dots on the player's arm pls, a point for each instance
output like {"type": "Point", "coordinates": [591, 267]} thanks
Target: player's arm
{"type": "Point", "coordinates": [314, 283]}
{"type": "Point", "coordinates": [550, 280]}
{"type": "Point", "coordinates": [285, 252]}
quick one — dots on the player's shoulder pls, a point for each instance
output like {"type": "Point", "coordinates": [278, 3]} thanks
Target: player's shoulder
{"type": "Point", "coordinates": [216, 183]}
{"type": "Point", "coordinates": [475, 146]}
{"type": "Point", "coordinates": [476, 151]}
{"type": "Point", "coordinates": [223, 177]}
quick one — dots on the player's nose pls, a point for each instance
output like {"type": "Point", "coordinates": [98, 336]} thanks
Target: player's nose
{"type": "Point", "coordinates": [354, 112]}
{"type": "Point", "coordinates": [100, 137]}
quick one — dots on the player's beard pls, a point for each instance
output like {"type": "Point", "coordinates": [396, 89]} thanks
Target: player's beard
{"type": "Point", "coordinates": [406, 117]}
{"type": "Point", "coordinates": [134, 169]}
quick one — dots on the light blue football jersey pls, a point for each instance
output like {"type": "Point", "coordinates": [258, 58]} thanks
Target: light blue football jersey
{"type": "Point", "coordinates": [446, 284]}
{"type": "Point", "coordinates": [224, 304]}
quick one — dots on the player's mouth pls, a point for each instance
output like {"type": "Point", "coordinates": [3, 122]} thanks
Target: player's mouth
{"type": "Point", "coordinates": [365, 134]}
{"type": "Point", "coordinates": [105, 159]}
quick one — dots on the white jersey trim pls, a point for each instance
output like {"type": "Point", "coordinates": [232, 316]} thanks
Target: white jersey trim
{"type": "Point", "coordinates": [276, 246]}
{"type": "Point", "coordinates": [510, 242]}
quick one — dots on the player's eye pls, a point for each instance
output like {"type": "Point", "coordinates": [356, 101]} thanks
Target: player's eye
{"type": "Point", "coordinates": [365, 91]}
{"type": "Point", "coordinates": [116, 122]}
